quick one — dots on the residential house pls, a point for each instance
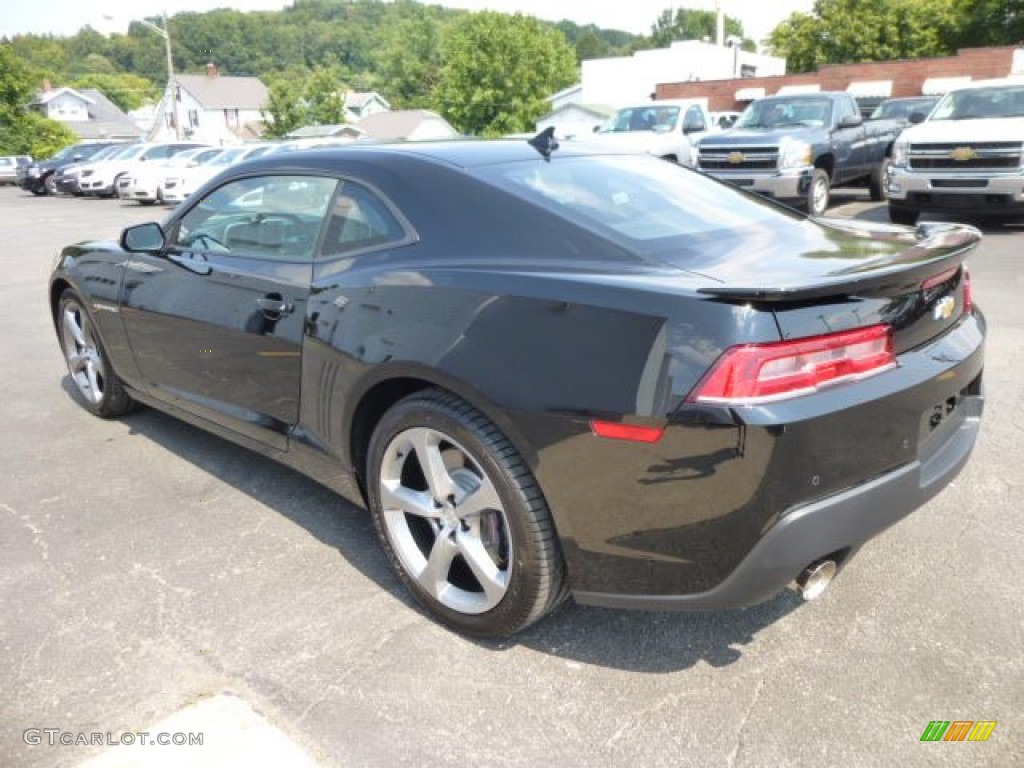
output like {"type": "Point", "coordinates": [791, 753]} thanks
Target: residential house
{"type": "Point", "coordinates": [575, 119]}
{"type": "Point", "coordinates": [212, 108]}
{"type": "Point", "coordinates": [406, 125]}
{"type": "Point", "coordinates": [87, 112]}
{"type": "Point", "coordinates": [360, 104]}
{"type": "Point", "coordinates": [341, 131]}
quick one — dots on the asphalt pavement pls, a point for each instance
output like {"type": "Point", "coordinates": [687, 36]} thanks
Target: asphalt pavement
{"type": "Point", "coordinates": [146, 566]}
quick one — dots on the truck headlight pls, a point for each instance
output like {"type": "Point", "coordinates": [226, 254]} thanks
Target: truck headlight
{"type": "Point", "coordinates": [795, 154]}
{"type": "Point", "coordinates": [899, 153]}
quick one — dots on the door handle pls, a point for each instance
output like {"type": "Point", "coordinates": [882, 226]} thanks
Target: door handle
{"type": "Point", "coordinates": [275, 305]}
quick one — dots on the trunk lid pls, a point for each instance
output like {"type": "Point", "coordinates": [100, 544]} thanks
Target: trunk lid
{"type": "Point", "coordinates": [826, 276]}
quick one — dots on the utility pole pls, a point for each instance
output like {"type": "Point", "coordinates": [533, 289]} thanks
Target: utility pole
{"type": "Point", "coordinates": [172, 88]}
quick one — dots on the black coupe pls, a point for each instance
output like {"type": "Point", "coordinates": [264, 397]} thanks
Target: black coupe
{"type": "Point", "coordinates": [548, 372]}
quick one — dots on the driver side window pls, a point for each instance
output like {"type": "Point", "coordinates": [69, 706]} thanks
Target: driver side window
{"type": "Point", "coordinates": [275, 218]}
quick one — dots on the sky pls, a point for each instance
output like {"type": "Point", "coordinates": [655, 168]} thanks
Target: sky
{"type": "Point", "coordinates": [65, 17]}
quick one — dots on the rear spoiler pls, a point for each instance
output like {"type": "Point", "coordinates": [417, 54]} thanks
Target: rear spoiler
{"type": "Point", "coordinates": [940, 248]}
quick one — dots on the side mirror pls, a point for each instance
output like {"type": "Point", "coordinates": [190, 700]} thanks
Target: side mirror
{"type": "Point", "coordinates": [917, 117]}
{"type": "Point", "coordinates": [143, 238]}
{"type": "Point", "coordinates": [851, 121]}
{"type": "Point", "coordinates": [76, 158]}
{"type": "Point", "coordinates": [694, 127]}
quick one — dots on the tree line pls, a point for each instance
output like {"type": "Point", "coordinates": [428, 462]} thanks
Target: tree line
{"type": "Point", "coordinates": [846, 31]}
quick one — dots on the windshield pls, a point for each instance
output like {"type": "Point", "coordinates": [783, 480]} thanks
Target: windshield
{"type": "Point", "coordinates": [132, 152]}
{"type": "Point", "coordinates": [901, 109]}
{"type": "Point", "coordinates": [647, 118]}
{"type": "Point", "coordinates": [776, 113]}
{"type": "Point", "coordinates": [106, 152]}
{"type": "Point", "coordinates": [642, 200]}
{"type": "Point", "coordinates": [227, 157]}
{"type": "Point", "coordinates": [975, 103]}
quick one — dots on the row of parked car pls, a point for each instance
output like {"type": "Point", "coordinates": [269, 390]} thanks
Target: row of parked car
{"type": "Point", "coordinates": [149, 172]}
{"type": "Point", "coordinates": [962, 154]}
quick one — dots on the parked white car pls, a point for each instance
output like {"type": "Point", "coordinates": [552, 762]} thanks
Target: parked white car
{"type": "Point", "coordinates": [965, 158]}
{"type": "Point", "coordinates": [182, 182]}
{"type": "Point", "coordinates": [144, 185]}
{"type": "Point", "coordinates": [104, 176]}
{"type": "Point", "coordinates": [668, 129]}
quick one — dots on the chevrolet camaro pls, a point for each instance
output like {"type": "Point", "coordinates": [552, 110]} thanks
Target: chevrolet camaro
{"type": "Point", "coordinates": [548, 372]}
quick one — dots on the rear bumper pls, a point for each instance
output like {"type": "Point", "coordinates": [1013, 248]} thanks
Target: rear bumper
{"type": "Point", "coordinates": [839, 523]}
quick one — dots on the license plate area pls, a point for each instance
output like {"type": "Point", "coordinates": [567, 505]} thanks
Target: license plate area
{"type": "Point", "coordinates": [939, 422]}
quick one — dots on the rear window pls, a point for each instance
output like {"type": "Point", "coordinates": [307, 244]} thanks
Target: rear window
{"type": "Point", "coordinates": [640, 199]}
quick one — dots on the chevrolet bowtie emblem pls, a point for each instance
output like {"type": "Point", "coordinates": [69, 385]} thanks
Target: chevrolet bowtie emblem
{"type": "Point", "coordinates": [735, 158]}
{"type": "Point", "coordinates": [944, 308]}
{"type": "Point", "coordinates": [963, 154]}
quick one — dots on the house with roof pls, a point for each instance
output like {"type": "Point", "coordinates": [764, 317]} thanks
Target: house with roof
{"type": "Point", "coordinates": [360, 104]}
{"type": "Point", "coordinates": [406, 125]}
{"type": "Point", "coordinates": [212, 108]}
{"type": "Point", "coordinates": [87, 112]}
{"type": "Point", "coordinates": [337, 131]}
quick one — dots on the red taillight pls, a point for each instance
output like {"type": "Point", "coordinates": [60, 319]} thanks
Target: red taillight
{"type": "Point", "coordinates": [754, 373]}
{"type": "Point", "coordinates": [968, 297]}
{"type": "Point", "coordinates": [633, 432]}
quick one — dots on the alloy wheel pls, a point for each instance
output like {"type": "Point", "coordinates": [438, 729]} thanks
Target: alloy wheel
{"type": "Point", "coordinates": [445, 520]}
{"type": "Point", "coordinates": [85, 363]}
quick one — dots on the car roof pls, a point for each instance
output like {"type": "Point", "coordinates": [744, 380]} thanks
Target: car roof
{"type": "Point", "coordinates": [460, 153]}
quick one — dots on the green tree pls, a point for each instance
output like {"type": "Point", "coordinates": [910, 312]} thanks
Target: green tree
{"type": "Point", "coordinates": [847, 31]}
{"type": "Point", "coordinates": [23, 132]}
{"type": "Point", "coordinates": [498, 70]}
{"type": "Point", "coordinates": [409, 59]}
{"type": "Point", "coordinates": [687, 24]}
{"type": "Point", "coordinates": [989, 22]}
{"type": "Point", "coordinates": [284, 111]}
{"type": "Point", "coordinates": [127, 91]}
{"type": "Point", "coordinates": [325, 104]}
{"type": "Point", "coordinates": [590, 45]}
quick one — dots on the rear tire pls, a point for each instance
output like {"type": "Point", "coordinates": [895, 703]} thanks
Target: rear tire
{"type": "Point", "coordinates": [88, 364]}
{"type": "Point", "coordinates": [904, 216]}
{"type": "Point", "coordinates": [818, 193]}
{"type": "Point", "coordinates": [461, 517]}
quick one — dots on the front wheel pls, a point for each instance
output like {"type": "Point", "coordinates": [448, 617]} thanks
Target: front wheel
{"type": "Point", "coordinates": [87, 361]}
{"type": "Point", "coordinates": [51, 185]}
{"type": "Point", "coordinates": [461, 517]}
{"type": "Point", "coordinates": [878, 184]}
{"type": "Point", "coordinates": [818, 193]}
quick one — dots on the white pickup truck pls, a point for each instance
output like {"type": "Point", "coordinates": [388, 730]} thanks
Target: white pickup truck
{"type": "Point", "coordinates": [668, 129]}
{"type": "Point", "coordinates": [967, 157]}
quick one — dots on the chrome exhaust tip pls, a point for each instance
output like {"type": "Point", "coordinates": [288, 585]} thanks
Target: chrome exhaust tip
{"type": "Point", "coordinates": [815, 578]}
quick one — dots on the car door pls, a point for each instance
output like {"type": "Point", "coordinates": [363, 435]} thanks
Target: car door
{"type": "Point", "coordinates": [847, 143]}
{"type": "Point", "coordinates": [216, 320]}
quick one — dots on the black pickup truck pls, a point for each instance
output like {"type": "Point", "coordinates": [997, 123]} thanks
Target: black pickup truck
{"type": "Point", "coordinates": [796, 148]}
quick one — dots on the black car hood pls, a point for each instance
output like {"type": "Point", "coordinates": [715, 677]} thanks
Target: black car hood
{"type": "Point", "coordinates": [757, 136]}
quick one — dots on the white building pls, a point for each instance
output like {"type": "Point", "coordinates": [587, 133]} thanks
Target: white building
{"type": "Point", "coordinates": [87, 112]}
{"type": "Point", "coordinates": [212, 108]}
{"type": "Point", "coordinates": [623, 80]}
{"type": "Point", "coordinates": [575, 119]}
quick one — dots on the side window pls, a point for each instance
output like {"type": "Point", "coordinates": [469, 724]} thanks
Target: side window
{"type": "Point", "coordinates": [844, 108]}
{"type": "Point", "coordinates": [276, 218]}
{"type": "Point", "coordinates": [359, 219]}
{"type": "Point", "coordinates": [694, 119]}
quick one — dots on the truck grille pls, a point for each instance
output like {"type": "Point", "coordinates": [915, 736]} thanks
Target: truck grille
{"type": "Point", "coordinates": [739, 158]}
{"type": "Point", "coordinates": [973, 156]}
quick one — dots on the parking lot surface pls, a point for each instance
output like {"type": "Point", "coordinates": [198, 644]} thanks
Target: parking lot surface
{"type": "Point", "coordinates": [146, 565]}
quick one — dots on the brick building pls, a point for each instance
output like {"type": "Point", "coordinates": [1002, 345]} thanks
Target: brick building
{"type": "Point", "coordinates": [869, 82]}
